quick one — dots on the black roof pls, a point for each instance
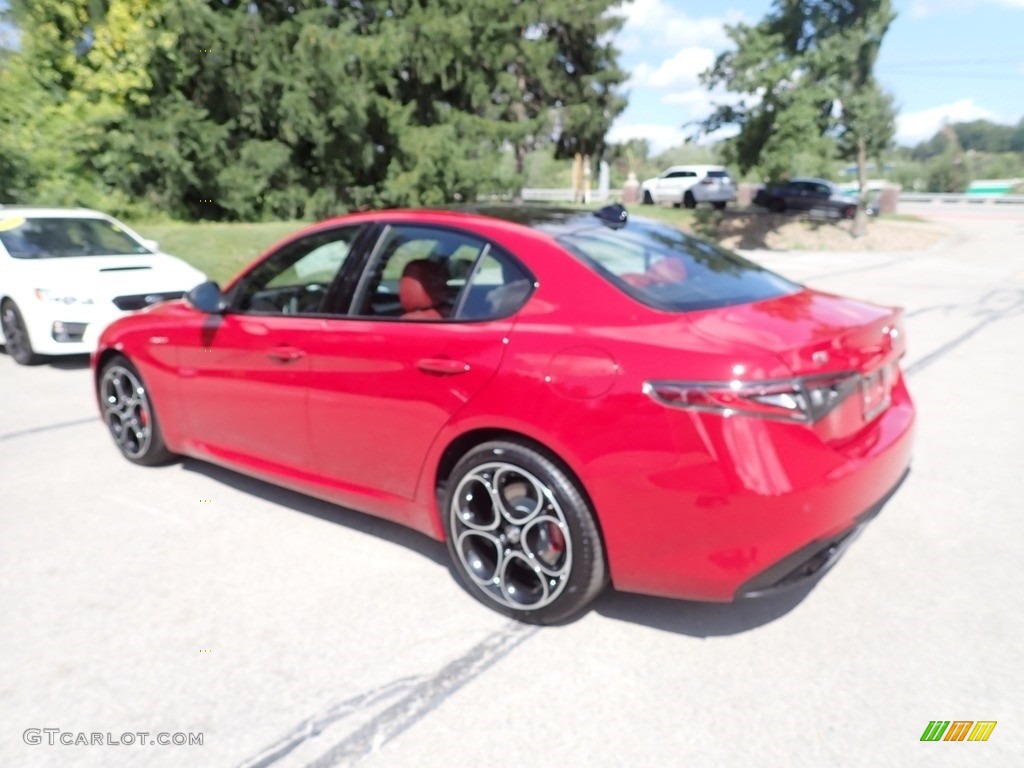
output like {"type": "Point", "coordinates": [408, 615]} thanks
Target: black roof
{"type": "Point", "coordinates": [551, 219]}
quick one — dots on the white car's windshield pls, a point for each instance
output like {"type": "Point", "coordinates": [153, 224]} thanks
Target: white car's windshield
{"type": "Point", "coordinates": [53, 238]}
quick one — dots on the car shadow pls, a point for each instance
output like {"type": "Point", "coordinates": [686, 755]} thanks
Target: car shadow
{"type": "Point", "coordinates": [325, 510]}
{"type": "Point", "coordinates": [69, 363]}
{"type": "Point", "coordinates": [682, 617]}
{"type": "Point", "coordinates": [64, 363]}
{"type": "Point", "coordinates": [686, 617]}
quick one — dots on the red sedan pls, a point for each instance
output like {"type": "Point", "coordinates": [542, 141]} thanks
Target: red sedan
{"type": "Point", "coordinates": [565, 398]}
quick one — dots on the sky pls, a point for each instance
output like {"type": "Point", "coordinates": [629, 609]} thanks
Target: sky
{"type": "Point", "coordinates": [943, 60]}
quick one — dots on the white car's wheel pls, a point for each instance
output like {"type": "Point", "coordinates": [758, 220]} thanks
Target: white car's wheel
{"type": "Point", "coordinates": [16, 338]}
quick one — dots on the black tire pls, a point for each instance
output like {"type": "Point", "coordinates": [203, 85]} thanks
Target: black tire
{"type": "Point", "coordinates": [539, 557]}
{"type": "Point", "coordinates": [850, 212]}
{"type": "Point", "coordinates": [16, 338]}
{"type": "Point", "coordinates": [776, 205]}
{"type": "Point", "coordinates": [689, 201]}
{"type": "Point", "coordinates": [719, 206]}
{"type": "Point", "coordinates": [648, 198]}
{"type": "Point", "coordinates": [129, 414]}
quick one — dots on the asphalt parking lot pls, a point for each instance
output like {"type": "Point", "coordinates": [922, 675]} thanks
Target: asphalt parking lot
{"type": "Point", "coordinates": [188, 599]}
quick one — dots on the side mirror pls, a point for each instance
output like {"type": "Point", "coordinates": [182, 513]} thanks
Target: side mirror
{"type": "Point", "coordinates": [206, 297]}
{"type": "Point", "coordinates": [153, 245]}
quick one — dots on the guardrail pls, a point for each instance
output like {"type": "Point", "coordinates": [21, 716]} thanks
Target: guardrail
{"type": "Point", "coordinates": [926, 197]}
{"type": "Point", "coordinates": [536, 194]}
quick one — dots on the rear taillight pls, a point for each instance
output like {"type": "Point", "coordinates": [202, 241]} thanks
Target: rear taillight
{"type": "Point", "coordinates": [805, 399]}
{"type": "Point", "coordinates": [707, 181]}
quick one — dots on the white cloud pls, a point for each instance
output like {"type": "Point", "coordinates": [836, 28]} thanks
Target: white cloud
{"type": "Point", "coordinates": [656, 23]}
{"type": "Point", "coordinates": [696, 99]}
{"type": "Point", "coordinates": [914, 127]}
{"type": "Point", "coordinates": [679, 71]}
{"type": "Point", "coordinates": [661, 137]}
{"type": "Point", "coordinates": [922, 8]}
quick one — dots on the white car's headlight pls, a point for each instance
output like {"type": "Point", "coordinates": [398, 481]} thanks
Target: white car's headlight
{"type": "Point", "coordinates": [60, 298]}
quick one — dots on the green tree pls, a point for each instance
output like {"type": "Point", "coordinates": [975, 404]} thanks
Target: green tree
{"type": "Point", "coordinates": [232, 109]}
{"type": "Point", "coordinates": [805, 74]}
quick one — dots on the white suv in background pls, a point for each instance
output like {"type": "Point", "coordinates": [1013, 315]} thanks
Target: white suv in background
{"type": "Point", "coordinates": [688, 185]}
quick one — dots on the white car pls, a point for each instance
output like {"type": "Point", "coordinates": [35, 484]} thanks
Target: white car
{"type": "Point", "coordinates": [67, 273]}
{"type": "Point", "coordinates": [688, 185]}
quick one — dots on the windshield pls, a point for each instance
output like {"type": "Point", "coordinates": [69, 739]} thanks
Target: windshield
{"type": "Point", "coordinates": [52, 238]}
{"type": "Point", "coordinates": [669, 270]}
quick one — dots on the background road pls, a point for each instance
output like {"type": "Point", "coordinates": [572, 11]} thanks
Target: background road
{"type": "Point", "coordinates": [293, 633]}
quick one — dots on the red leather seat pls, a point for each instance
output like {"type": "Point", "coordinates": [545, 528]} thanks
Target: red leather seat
{"type": "Point", "coordinates": [636, 279]}
{"type": "Point", "coordinates": [423, 290]}
{"type": "Point", "coordinates": [667, 270]}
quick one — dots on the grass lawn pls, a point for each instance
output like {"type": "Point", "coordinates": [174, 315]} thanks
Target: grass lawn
{"type": "Point", "coordinates": [681, 218]}
{"type": "Point", "coordinates": [219, 250]}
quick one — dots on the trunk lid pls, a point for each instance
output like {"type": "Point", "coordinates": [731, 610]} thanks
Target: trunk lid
{"type": "Point", "coordinates": [810, 331]}
{"type": "Point", "coordinates": [816, 334]}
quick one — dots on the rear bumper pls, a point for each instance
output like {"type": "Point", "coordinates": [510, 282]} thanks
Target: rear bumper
{"type": "Point", "coordinates": [813, 560]}
{"type": "Point", "coordinates": [746, 505]}
{"type": "Point", "coordinates": [723, 196]}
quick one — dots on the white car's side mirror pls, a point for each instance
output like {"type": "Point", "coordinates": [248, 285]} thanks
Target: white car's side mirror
{"type": "Point", "coordinates": [153, 245]}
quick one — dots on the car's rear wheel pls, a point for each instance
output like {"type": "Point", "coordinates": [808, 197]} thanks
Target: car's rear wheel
{"type": "Point", "coordinates": [521, 535]}
{"type": "Point", "coordinates": [16, 338]}
{"type": "Point", "coordinates": [648, 198]}
{"type": "Point", "coordinates": [689, 200]}
{"type": "Point", "coordinates": [719, 206]}
{"type": "Point", "coordinates": [129, 414]}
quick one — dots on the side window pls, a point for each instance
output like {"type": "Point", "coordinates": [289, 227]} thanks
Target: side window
{"type": "Point", "coordinates": [428, 273]}
{"type": "Point", "coordinates": [497, 288]}
{"type": "Point", "coordinates": [417, 273]}
{"type": "Point", "coordinates": [295, 280]}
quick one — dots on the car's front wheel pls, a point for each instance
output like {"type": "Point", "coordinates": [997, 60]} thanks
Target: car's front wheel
{"type": "Point", "coordinates": [129, 415]}
{"type": "Point", "coordinates": [521, 535]}
{"type": "Point", "coordinates": [16, 338]}
{"type": "Point", "coordinates": [689, 201]}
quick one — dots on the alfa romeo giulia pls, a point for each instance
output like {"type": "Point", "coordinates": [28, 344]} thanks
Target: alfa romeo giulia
{"type": "Point", "coordinates": [565, 398]}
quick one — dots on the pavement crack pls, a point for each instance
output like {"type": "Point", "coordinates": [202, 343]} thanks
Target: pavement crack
{"type": "Point", "coordinates": [400, 704]}
{"type": "Point", "coordinates": [995, 305]}
{"type": "Point", "coordinates": [313, 726]}
{"type": "Point", "coordinates": [47, 428]}
{"type": "Point", "coordinates": [425, 696]}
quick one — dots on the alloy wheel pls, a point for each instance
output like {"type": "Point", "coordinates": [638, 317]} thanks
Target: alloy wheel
{"type": "Point", "coordinates": [127, 411]}
{"type": "Point", "coordinates": [511, 536]}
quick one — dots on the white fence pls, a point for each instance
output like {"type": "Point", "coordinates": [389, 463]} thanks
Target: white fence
{"type": "Point", "coordinates": [927, 197]}
{"type": "Point", "coordinates": [537, 195]}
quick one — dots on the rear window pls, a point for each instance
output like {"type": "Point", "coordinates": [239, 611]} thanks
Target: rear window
{"type": "Point", "coordinates": [669, 270]}
{"type": "Point", "coordinates": [51, 238]}
{"type": "Point", "coordinates": [718, 174]}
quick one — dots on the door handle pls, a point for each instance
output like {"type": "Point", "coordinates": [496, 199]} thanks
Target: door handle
{"type": "Point", "coordinates": [442, 366]}
{"type": "Point", "coordinates": [285, 354]}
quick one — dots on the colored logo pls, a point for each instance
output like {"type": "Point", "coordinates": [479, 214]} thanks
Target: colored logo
{"type": "Point", "coordinates": [958, 730]}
